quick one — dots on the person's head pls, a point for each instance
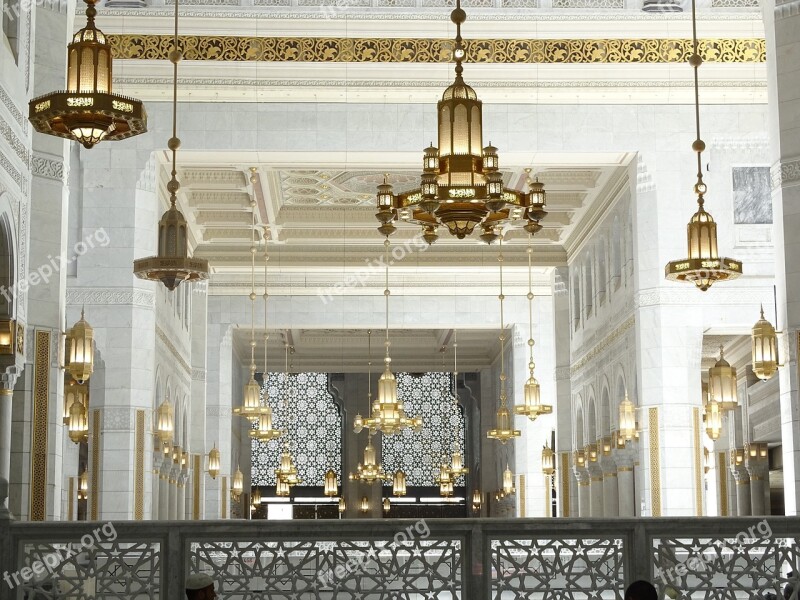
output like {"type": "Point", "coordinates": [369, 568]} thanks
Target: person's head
{"type": "Point", "coordinates": [641, 590]}
{"type": "Point", "coordinates": [200, 586]}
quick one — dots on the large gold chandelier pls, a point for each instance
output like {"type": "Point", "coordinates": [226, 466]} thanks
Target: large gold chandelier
{"type": "Point", "coordinates": [370, 470]}
{"type": "Point", "coordinates": [173, 264]}
{"type": "Point", "coordinates": [461, 185]}
{"type": "Point", "coordinates": [504, 428]}
{"type": "Point", "coordinates": [88, 112]}
{"type": "Point", "coordinates": [703, 266]}
{"type": "Point", "coordinates": [388, 414]}
{"type": "Point", "coordinates": [532, 406]}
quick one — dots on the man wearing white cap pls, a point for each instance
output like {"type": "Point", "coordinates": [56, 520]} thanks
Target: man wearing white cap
{"type": "Point", "coordinates": [200, 586]}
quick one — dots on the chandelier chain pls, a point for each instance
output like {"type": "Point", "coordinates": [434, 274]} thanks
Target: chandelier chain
{"type": "Point", "coordinates": [531, 342]}
{"type": "Point", "coordinates": [502, 330]}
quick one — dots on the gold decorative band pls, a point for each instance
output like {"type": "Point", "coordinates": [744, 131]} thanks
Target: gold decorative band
{"type": "Point", "coordinates": [138, 490]}
{"type": "Point", "coordinates": [597, 478]}
{"type": "Point", "coordinates": [608, 475]}
{"type": "Point", "coordinates": [655, 462]}
{"type": "Point", "coordinates": [723, 486]}
{"type": "Point", "coordinates": [196, 471]}
{"type": "Point", "coordinates": [756, 478]}
{"type": "Point", "coordinates": [94, 472]}
{"type": "Point", "coordinates": [742, 482]}
{"type": "Point", "coordinates": [624, 469]}
{"type": "Point", "coordinates": [565, 508]}
{"type": "Point", "coordinates": [224, 512]}
{"type": "Point", "coordinates": [420, 50]}
{"type": "Point", "coordinates": [522, 497]}
{"type": "Point", "coordinates": [71, 499]}
{"type": "Point", "coordinates": [583, 483]}
{"type": "Point", "coordinates": [41, 393]}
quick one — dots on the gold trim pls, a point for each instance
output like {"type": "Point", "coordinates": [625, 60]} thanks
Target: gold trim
{"type": "Point", "coordinates": [71, 499]}
{"type": "Point", "coordinates": [742, 482]}
{"type": "Point", "coordinates": [421, 50]}
{"type": "Point", "coordinates": [522, 496]}
{"type": "Point", "coordinates": [583, 483]}
{"type": "Point", "coordinates": [198, 468]}
{"type": "Point", "coordinates": [722, 471]}
{"type": "Point", "coordinates": [547, 496]}
{"type": "Point", "coordinates": [608, 475]}
{"type": "Point", "coordinates": [138, 489]}
{"type": "Point", "coordinates": [655, 463]}
{"type": "Point", "coordinates": [624, 469]}
{"type": "Point", "coordinates": [94, 473]}
{"type": "Point", "coordinates": [756, 478]}
{"type": "Point", "coordinates": [597, 479]}
{"type": "Point", "coordinates": [41, 393]}
{"type": "Point", "coordinates": [565, 508]}
{"type": "Point", "coordinates": [698, 462]}
{"type": "Point", "coordinates": [224, 512]}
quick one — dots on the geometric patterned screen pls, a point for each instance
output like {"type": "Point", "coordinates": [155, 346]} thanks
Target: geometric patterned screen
{"type": "Point", "coordinates": [419, 455]}
{"type": "Point", "coordinates": [303, 406]}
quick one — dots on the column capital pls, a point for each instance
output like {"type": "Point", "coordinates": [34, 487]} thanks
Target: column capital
{"type": "Point", "coordinates": [581, 475]}
{"type": "Point", "coordinates": [608, 465]}
{"type": "Point", "coordinates": [741, 475]}
{"type": "Point", "coordinates": [757, 470]}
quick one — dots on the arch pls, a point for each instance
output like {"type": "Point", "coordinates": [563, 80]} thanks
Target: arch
{"type": "Point", "coordinates": [8, 266]}
{"type": "Point", "coordinates": [579, 443]}
{"type": "Point", "coordinates": [621, 390]}
{"type": "Point", "coordinates": [605, 410]}
{"type": "Point", "coordinates": [591, 419]}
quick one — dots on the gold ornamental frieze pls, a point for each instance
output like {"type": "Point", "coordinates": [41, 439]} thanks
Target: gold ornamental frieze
{"type": "Point", "coordinates": [419, 50]}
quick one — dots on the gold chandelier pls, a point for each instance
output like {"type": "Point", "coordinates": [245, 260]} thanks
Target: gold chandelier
{"type": "Point", "coordinates": [370, 471]}
{"type": "Point", "coordinates": [388, 414]}
{"type": "Point", "coordinates": [548, 460]}
{"type": "Point", "coordinates": [703, 266]}
{"type": "Point", "coordinates": [508, 482]}
{"type": "Point", "coordinates": [80, 353]}
{"type": "Point", "coordinates": [722, 383]}
{"type": "Point", "coordinates": [627, 419]}
{"type": "Point", "coordinates": [503, 430]}
{"type": "Point", "coordinates": [461, 185]}
{"type": "Point", "coordinates": [399, 484]}
{"type": "Point", "coordinates": [78, 426]}
{"type": "Point", "coordinates": [532, 406]}
{"type": "Point", "coordinates": [331, 484]}
{"type": "Point", "coordinates": [173, 264]}
{"type": "Point", "coordinates": [287, 471]}
{"type": "Point", "coordinates": [213, 462]}
{"type": "Point", "coordinates": [713, 418]}
{"type": "Point", "coordinates": [87, 111]}
{"type": "Point", "coordinates": [237, 486]}
{"type": "Point", "coordinates": [264, 431]}
{"type": "Point", "coordinates": [445, 481]}
{"type": "Point", "coordinates": [764, 348]}
{"type": "Point", "coordinates": [165, 421]}
{"type": "Point", "coordinates": [83, 485]}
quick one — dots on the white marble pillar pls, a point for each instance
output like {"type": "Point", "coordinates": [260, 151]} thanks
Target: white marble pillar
{"type": "Point", "coordinates": [584, 496]}
{"type": "Point", "coordinates": [758, 472]}
{"type": "Point", "coordinates": [742, 479]}
{"type": "Point", "coordinates": [610, 487]}
{"type": "Point", "coordinates": [173, 493]}
{"type": "Point", "coordinates": [624, 459]}
{"type": "Point", "coordinates": [6, 396]}
{"type": "Point", "coordinates": [595, 489]}
{"type": "Point", "coordinates": [163, 490]}
{"type": "Point", "coordinates": [181, 497]}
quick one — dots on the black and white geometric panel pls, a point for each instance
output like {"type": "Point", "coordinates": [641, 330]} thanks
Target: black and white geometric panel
{"type": "Point", "coordinates": [419, 455]}
{"type": "Point", "coordinates": [303, 406]}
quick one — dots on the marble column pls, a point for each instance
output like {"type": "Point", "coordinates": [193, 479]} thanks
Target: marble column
{"type": "Point", "coordinates": [584, 496]}
{"type": "Point", "coordinates": [181, 493]}
{"type": "Point", "coordinates": [163, 490]}
{"type": "Point", "coordinates": [624, 459]}
{"type": "Point", "coordinates": [567, 499]}
{"type": "Point", "coordinates": [758, 472]}
{"type": "Point", "coordinates": [610, 487]}
{"type": "Point", "coordinates": [595, 489]}
{"type": "Point", "coordinates": [742, 479]}
{"type": "Point", "coordinates": [6, 395]}
{"type": "Point", "coordinates": [156, 480]}
{"type": "Point", "coordinates": [782, 33]}
{"type": "Point", "coordinates": [173, 492]}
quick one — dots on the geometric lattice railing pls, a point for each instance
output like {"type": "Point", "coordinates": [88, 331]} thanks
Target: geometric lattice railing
{"type": "Point", "coordinates": [539, 568]}
{"type": "Point", "coordinates": [746, 564]}
{"type": "Point", "coordinates": [384, 559]}
{"type": "Point", "coordinates": [345, 570]}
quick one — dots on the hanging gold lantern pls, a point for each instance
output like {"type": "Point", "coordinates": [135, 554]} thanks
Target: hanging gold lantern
{"type": "Point", "coordinates": [605, 445]}
{"type": "Point", "coordinates": [331, 485]}
{"type": "Point", "coordinates": [81, 350]}
{"type": "Point", "coordinates": [287, 471]}
{"type": "Point", "coordinates": [264, 432]}
{"type": "Point", "coordinates": [78, 428]}
{"type": "Point", "coordinates": [548, 460]}
{"type": "Point", "coordinates": [282, 488]}
{"type": "Point", "coordinates": [370, 471]}
{"type": "Point", "coordinates": [765, 348]}
{"type": "Point", "coordinates": [579, 459]}
{"type": "Point", "coordinates": [342, 505]}
{"type": "Point", "coordinates": [477, 500]}
{"type": "Point", "coordinates": [503, 431]}
{"type": "Point", "coordinates": [251, 399]}
{"type": "Point", "coordinates": [627, 419]}
{"type": "Point", "coordinates": [83, 485]}
{"type": "Point", "coordinates": [722, 383]}
{"type": "Point", "coordinates": [590, 451]}
{"type": "Point", "coordinates": [387, 506]}
{"type": "Point", "coordinates": [713, 418]}
{"type": "Point", "coordinates": [445, 481]}
{"type": "Point", "coordinates": [165, 421]}
{"type": "Point", "coordinates": [213, 462]}
{"type": "Point", "coordinates": [457, 467]}
{"type": "Point", "coordinates": [237, 486]}
{"type": "Point", "coordinates": [74, 392]}
{"type": "Point", "coordinates": [364, 504]}
{"type": "Point", "coordinates": [508, 482]}
{"type": "Point", "coordinates": [87, 111]}
{"type": "Point", "coordinates": [399, 484]}
{"type": "Point", "coordinates": [255, 497]}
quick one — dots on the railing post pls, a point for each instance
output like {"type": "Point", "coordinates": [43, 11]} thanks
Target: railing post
{"type": "Point", "coordinates": [7, 558]}
{"type": "Point", "coordinates": [174, 564]}
{"type": "Point", "coordinates": [475, 581]}
{"type": "Point", "coordinates": [640, 555]}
